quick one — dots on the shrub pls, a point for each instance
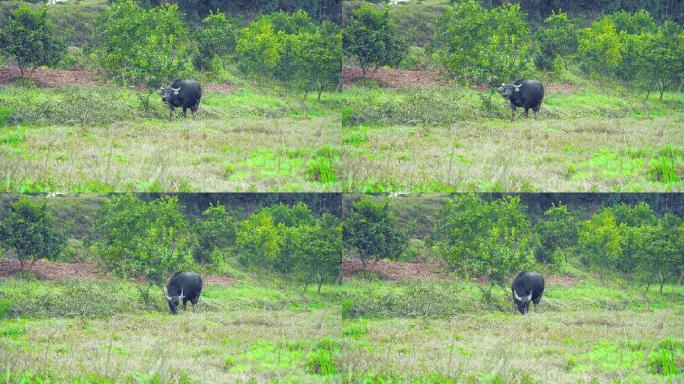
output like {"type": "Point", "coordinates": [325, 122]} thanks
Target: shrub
{"type": "Point", "coordinates": [142, 239]}
{"type": "Point", "coordinates": [557, 40]}
{"type": "Point", "coordinates": [371, 230]}
{"type": "Point", "coordinates": [557, 232]}
{"type": "Point", "coordinates": [485, 239]}
{"type": "Point", "coordinates": [215, 41]}
{"type": "Point", "coordinates": [31, 232]}
{"type": "Point", "coordinates": [484, 46]}
{"type": "Point", "coordinates": [372, 38]}
{"type": "Point", "coordinates": [214, 234]}
{"type": "Point", "coordinates": [138, 46]}
{"type": "Point", "coordinates": [70, 106]}
{"type": "Point", "coordinates": [30, 39]}
{"type": "Point", "coordinates": [82, 298]}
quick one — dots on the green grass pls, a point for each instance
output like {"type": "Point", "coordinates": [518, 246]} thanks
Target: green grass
{"type": "Point", "coordinates": [104, 140]}
{"type": "Point", "coordinates": [582, 333]}
{"type": "Point", "coordinates": [446, 140]}
{"type": "Point", "coordinates": [246, 332]}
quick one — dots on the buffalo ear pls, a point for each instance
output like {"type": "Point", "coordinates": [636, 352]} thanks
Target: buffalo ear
{"type": "Point", "coordinates": [160, 91]}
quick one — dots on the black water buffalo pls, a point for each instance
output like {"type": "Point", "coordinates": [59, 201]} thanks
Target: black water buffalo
{"type": "Point", "coordinates": [182, 94]}
{"type": "Point", "coordinates": [183, 286]}
{"type": "Point", "coordinates": [523, 94]}
{"type": "Point", "coordinates": [527, 286]}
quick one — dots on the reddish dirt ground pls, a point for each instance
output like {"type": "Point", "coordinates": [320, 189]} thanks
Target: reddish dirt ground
{"type": "Point", "coordinates": [398, 271]}
{"type": "Point", "coordinates": [394, 78]}
{"type": "Point", "coordinates": [52, 270]}
{"type": "Point", "coordinates": [392, 270]}
{"type": "Point", "coordinates": [57, 271]}
{"type": "Point", "coordinates": [51, 78]}
{"type": "Point", "coordinates": [56, 78]}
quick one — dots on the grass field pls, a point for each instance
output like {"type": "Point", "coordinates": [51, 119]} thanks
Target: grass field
{"type": "Point", "coordinates": [450, 139]}
{"type": "Point", "coordinates": [443, 332]}
{"type": "Point", "coordinates": [98, 331]}
{"type": "Point", "coordinates": [103, 139]}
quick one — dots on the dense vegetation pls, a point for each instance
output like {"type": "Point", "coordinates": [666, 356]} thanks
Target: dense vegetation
{"type": "Point", "coordinates": [477, 44]}
{"type": "Point", "coordinates": [493, 239]}
{"type": "Point", "coordinates": [152, 239]}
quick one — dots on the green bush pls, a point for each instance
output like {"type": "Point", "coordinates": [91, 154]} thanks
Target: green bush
{"type": "Point", "coordinates": [142, 239]}
{"type": "Point", "coordinates": [215, 42]}
{"type": "Point", "coordinates": [31, 232]}
{"type": "Point", "coordinates": [486, 239]}
{"type": "Point", "coordinates": [214, 234]}
{"type": "Point", "coordinates": [484, 46]}
{"type": "Point", "coordinates": [137, 46]}
{"type": "Point", "coordinates": [421, 298]}
{"type": "Point", "coordinates": [70, 106]}
{"type": "Point", "coordinates": [556, 232]}
{"type": "Point", "coordinates": [77, 298]}
{"type": "Point", "coordinates": [371, 230]}
{"type": "Point", "coordinates": [557, 40]}
{"type": "Point", "coordinates": [372, 38]}
{"type": "Point", "coordinates": [30, 39]}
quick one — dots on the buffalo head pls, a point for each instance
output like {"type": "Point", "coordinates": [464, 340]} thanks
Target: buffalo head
{"type": "Point", "coordinates": [522, 301]}
{"type": "Point", "coordinates": [167, 93]}
{"type": "Point", "coordinates": [507, 90]}
{"type": "Point", "coordinates": [173, 302]}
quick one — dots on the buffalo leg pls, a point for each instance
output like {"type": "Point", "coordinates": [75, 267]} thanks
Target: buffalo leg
{"type": "Point", "coordinates": [185, 305]}
{"type": "Point", "coordinates": [194, 303]}
{"type": "Point", "coordinates": [512, 114]}
{"type": "Point", "coordinates": [185, 112]}
{"type": "Point", "coordinates": [536, 111]}
{"type": "Point", "coordinates": [527, 112]}
{"type": "Point", "coordinates": [170, 114]}
{"type": "Point", "coordinates": [194, 110]}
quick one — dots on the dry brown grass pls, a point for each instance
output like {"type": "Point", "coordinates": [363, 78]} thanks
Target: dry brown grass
{"type": "Point", "coordinates": [546, 345]}
{"type": "Point", "coordinates": [185, 155]}
{"type": "Point", "coordinates": [527, 155]}
{"type": "Point", "coordinates": [210, 347]}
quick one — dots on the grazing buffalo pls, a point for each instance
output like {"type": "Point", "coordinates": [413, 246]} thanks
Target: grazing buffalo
{"type": "Point", "coordinates": [183, 286]}
{"type": "Point", "coordinates": [182, 94]}
{"type": "Point", "coordinates": [527, 286]}
{"type": "Point", "coordinates": [523, 94]}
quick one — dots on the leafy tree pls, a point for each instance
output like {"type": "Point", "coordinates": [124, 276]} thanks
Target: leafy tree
{"type": "Point", "coordinates": [293, 50]}
{"type": "Point", "coordinates": [214, 234]}
{"type": "Point", "coordinates": [371, 230]}
{"type": "Point", "coordinates": [372, 38]}
{"type": "Point", "coordinates": [557, 40]}
{"type": "Point", "coordinates": [322, 58]}
{"type": "Point", "coordinates": [484, 46]}
{"type": "Point", "coordinates": [138, 46]}
{"type": "Point", "coordinates": [660, 251]}
{"type": "Point", "coordinates": [258, 241]}
{"type": "Point", "coordinates": [477, 238]}
{"type": "Point", "coordinates": [142, 239]}
{"type": "Point", "coordinates": [29, 37]}
{"type": "Point", "coordinates": [660, 66]}
{"type": "Point", "coordinates": [291, 216]}
{"type": "Point", "coordinates": [321, 251]}
{"type": "Point", "coordinates": [215, 41]}
{"type": "Point", "coordinates": [600, 47]}
{"type": "Point", "coordinates": [557, 232]}
{"type": "Point", "coordinates": [30, 230]}
{"type": "Point", "coordinates": [600, 240]}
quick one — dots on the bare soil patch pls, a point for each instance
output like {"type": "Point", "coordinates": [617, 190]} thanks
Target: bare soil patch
{"type": "Point", "coordinates": [52, 270]}
{"type": "Point", "coordinates": [51, 78]}
{"type": "Point", "coordinates": [394, 78]}
{"type": "Point", "coordinates": [57, 78]}
{"type": "Point", "coordinates": [59, 271]}
{"type": "Point", "coordinates": [399, 271]}
{"type": "Point", "coordinates": [393, 270]}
